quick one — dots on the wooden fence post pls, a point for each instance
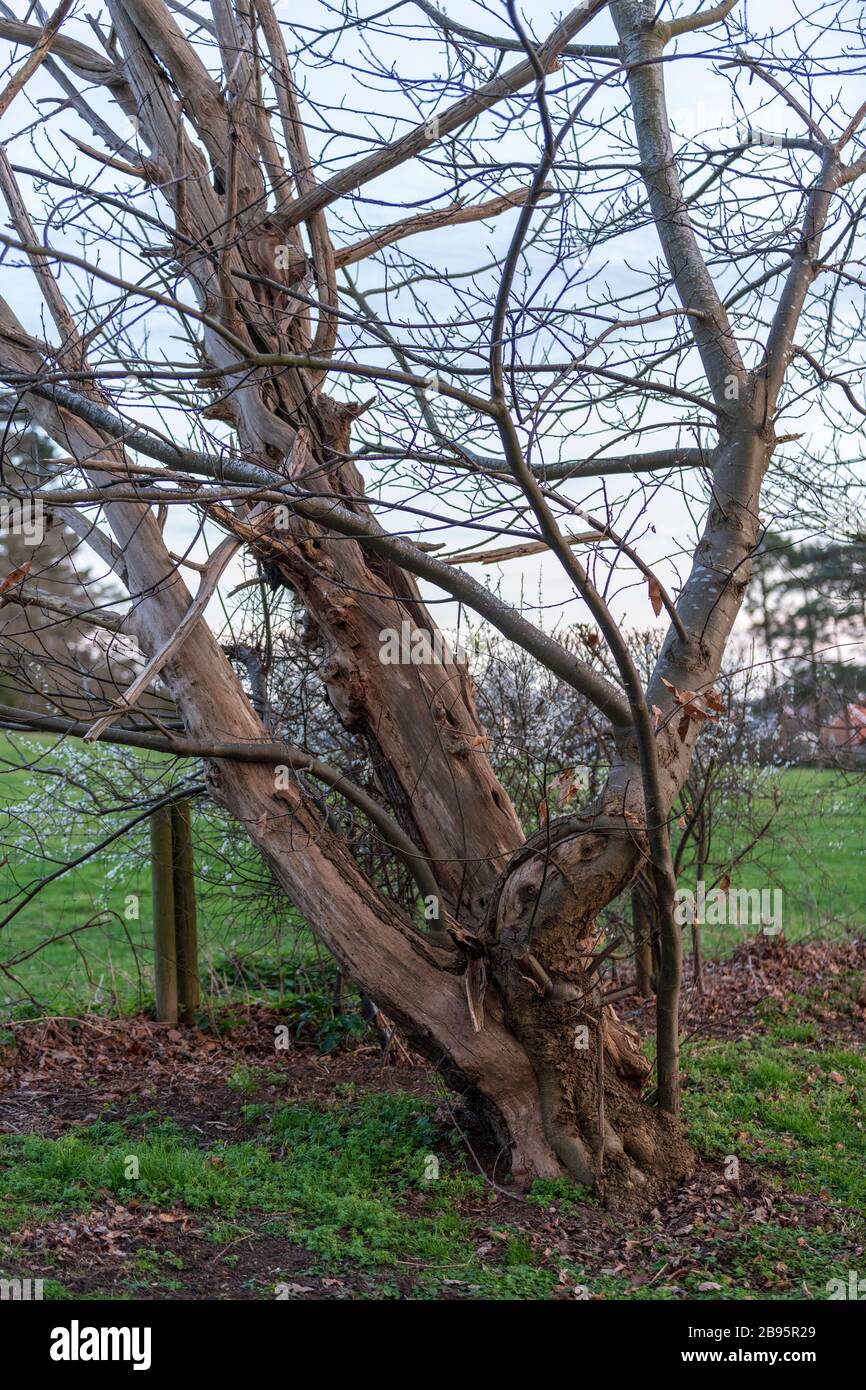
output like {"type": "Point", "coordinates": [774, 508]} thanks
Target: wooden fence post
{"type": "Point", "coordinates": [164, 948]}
{"type": "Point", "coordinates": [186, 935]}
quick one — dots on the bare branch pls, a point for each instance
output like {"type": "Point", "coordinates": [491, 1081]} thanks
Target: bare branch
{"type": "Point", "coordinates": [83, 61]}
{"type": "Point", "coordinates": [64, 608]}
{"type": "Point", "coordinates": [408, 146]}
{"type": "Point", "coordinates": [642, 49]}
{"type": "Point", "coordinates": [702, 19]}
{"type": "Point", "coordinates": [431, 221]}
{"type": "Point", "coordinates": [39, 52]}
{"type": "Point", "coordinates": [508, 45]}
{"type": "Point", "coordinates": [210, 578]}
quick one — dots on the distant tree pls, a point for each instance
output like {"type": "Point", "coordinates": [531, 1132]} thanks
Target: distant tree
{"type": "Point", "coordinates": [808, 602]}
{"type": "Point", "coordinates": [51, 657]}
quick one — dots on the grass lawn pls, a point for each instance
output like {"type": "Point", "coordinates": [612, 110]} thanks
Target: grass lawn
{"type": "Point", "coordinates": [187, 1166]}
{"type": "Point", "coordinates": [815, 853]}
{"type": "Point", "coordinates": [817, 856]}
{"type": "Point", "coordinates": [96, 918]}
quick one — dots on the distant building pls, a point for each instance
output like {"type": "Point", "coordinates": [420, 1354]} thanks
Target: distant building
{"type": "Point", "coordinates": [821, 732]}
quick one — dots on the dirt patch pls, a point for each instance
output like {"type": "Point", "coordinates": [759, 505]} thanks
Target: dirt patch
{"type": "Point", "coordinates": [125, 1251]}
{"type": "Point", "coordinates": [63, 1072]}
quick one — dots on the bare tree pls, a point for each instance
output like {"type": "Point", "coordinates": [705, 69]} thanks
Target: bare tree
{"type": "Point", "coordinates": [209, 267]}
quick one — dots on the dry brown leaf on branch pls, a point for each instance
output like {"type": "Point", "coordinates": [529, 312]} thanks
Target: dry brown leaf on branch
{"type": "Point", "coordinates": [564, 786]}
{"type": "Point", "coordinates": [16, 576]}
{"type": "Point", "coordinates": [655, 594]}
{"type": "Point", "coordinates": [694, 706]}
{"type": "Point", "coordinates": [682, 697]}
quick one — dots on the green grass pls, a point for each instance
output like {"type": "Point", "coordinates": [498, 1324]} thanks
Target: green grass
{"type": "Point", "coordinates": [783, 1105]}
{"type": "Point", "coordinates": [815, 852]}
{"type": "Point", "coordinates": [346, 1182]}
{"type": "Point", "coordinates": [349, 1183]}
{"type": "Point", "coordinates": [95, 920]}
